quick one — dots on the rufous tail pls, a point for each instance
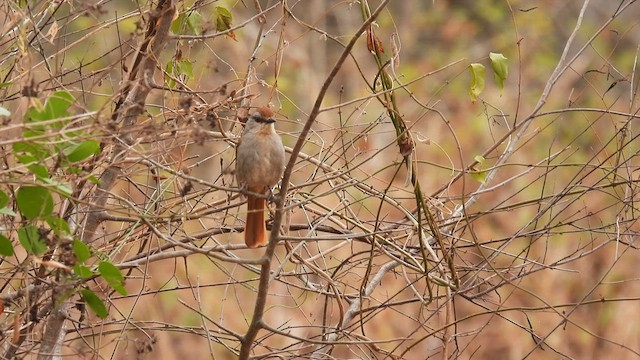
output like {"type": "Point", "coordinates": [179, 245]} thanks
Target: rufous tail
{"type": "Point", "coordinates": [255, 232]}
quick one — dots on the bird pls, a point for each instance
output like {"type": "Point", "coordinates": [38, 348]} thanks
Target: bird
{"type": "Point", "coordinates": [259, 166]}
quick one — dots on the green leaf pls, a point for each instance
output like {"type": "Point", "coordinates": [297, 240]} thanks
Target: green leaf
{"type": "Point", "coordinates": [26, 159]}
{"type": "Point", "coordinates": [113, 276]}
{"type": "Point", "coordinates": [55, 108]}
{"type": "Point", "coordinates": [4, 199]}
{"type": "Point", "coordinates": [38, 151]}
{"type": "Point", "coordinates": [480, 159]}
{"type": "Point", "coordinates": [477, 80]}
{"type": "Point", "coordinates": [57, 105]}
{"type": "Point", "coordinates": [34, 202]}
{"type": "Point", "coordinates": [6, 248]}
{"type": "Point", "coordinates": [82, 271]}
{"type": "Point", "coordinates": [170, 72]}
{"type": "Point", "coordinates": [58, 225]}
{"type": "Point", "coordinates": [191, 22]}
{"type": "Point", "coordinates": [223, 19]}
{"type": "Point", "coordinates": [81, 250]}
{"type": "Point", "coordinates": [35, 113]}
{"type": "Point", "coordinates": [500, 69]}
{"type": "Point", "coordinates": [178, 24]}
{"type": "Point", "coordinates": [186, 68]}
{"type": "Point", "coordinates": [30, 239]}
{"type": "Point", "coordinates": [36, 105]}
{"type": "Point", "coordinates": [74, 170]}
{"type": "Point", "coordinates": [94, 180]}
{"type": "Point", "coordinates": [94, 303]}
{"type": "Point", "coordinates": [35, 131]}
{"type": "Point", "coordinates": [39, 171]}
{"type": "Point", "coordinates": [178, 69]}
{"type": "Point", "coordinates": [81, 151]}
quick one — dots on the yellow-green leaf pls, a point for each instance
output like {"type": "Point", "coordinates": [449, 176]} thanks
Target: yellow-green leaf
{"type": "Point", "coordinates": [500, 68]}
{"type": "Point", "coordinates": [223, 20]}
{"type": "Point", "coordinates": [480, 176]}
{"type": "Point", "coordinates": [187, 23]}
{"type": "Point", "coordinates": [478, 173]}
{"type": "Point", "coordinates": [477, 80]}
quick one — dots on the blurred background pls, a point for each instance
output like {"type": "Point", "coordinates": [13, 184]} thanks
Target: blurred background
{"type": "Point", "coordinates": [531, 186]}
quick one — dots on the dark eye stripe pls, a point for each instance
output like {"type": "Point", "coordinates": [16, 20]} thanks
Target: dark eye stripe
{"type": "Point", "coordinates": [264, 120]}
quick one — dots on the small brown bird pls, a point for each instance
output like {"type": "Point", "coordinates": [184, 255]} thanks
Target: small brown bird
{"type": "Point", "coordinates": [259, 166]}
